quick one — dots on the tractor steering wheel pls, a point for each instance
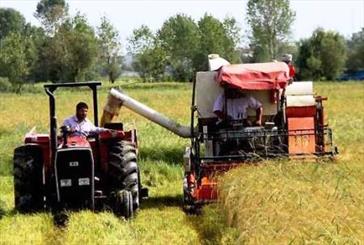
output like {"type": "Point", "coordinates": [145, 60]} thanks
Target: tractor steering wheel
{"type": "Point", "coordinates": [65, 130]}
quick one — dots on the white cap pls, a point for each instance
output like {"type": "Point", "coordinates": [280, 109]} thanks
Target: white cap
{"type": "Point", "coordinates": [215, 62]}
{"type": "Point", "coordinates": [287, 57]}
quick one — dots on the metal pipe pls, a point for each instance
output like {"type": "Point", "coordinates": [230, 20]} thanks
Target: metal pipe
{"type": "Point", "coordinates": [53, 123]}
{"type": "Point", "coordinates": [151, 114]}
{"type": "Point", "coordinates": [94, 97]}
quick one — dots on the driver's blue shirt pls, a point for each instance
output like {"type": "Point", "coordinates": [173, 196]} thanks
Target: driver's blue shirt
{"type": "Point", "coordinates": [82, 127]}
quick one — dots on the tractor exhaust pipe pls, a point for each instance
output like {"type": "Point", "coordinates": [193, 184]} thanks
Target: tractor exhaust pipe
{"type": "Point", "coordinates": [116, 99]}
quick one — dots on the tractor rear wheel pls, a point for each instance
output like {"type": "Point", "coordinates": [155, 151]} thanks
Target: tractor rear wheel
{"type": "Point", "coordinates": [28, 185]}
{"type": "Point", "coordinates": [123, 169]}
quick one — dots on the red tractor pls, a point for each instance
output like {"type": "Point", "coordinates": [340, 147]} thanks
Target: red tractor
{"type": "Point", "coordinates": [73, 172]}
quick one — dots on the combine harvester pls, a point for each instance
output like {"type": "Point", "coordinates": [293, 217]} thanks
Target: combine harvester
{"type": "Point", "coordinates": [293, 124]}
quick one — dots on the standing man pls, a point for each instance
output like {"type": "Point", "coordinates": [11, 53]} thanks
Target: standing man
{"type": "Point", "coordinates": [80, 124]}
{"type": "Point", "coordinates": [233, 105]}
{"type": "Point", "coordinates": [287, 58]}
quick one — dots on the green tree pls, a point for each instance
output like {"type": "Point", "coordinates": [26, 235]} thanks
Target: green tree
{"type": "Point", "coordinates": [233, 39]}
{"type": "Point", "coordinates": [355, 47]}
{"type": "Point", "coordinates": [218, 38]}
{"type": "Point", "coordinates": [322, 56]}
{"type": "Point", "coordinates": [270, 22]}
{"type": "Point", "coordinates": [141, 39]}
{"type": "Point", "coordinates": [309, 66]}
{"type": "Point", "coordinates": [181, 47]}
{"type": "Point", "coordinates": [10, 21]}
{"type": "Point", "coordinates": [232, 30]}
{"type": "Point", "coordinates": [51, 13]}
{"type": "Point", "coordinates": [110, 48]}
{"type": "Point", "coordinates": [149, 58]}
{"type": "Point", "coordinates": [151, 64]}
{"type": "Point", "coordinates": [36, 41]}
{"type": "Point", "coordinates": [83, 47]}
{"type": "Point", "coordinates": [72, 51]}
{"type": "Point", "coordinates": [179, 37]}
{"type": "Point", "coordinates": [13, 59]}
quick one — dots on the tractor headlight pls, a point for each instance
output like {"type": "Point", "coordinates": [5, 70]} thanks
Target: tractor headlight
{"type": "Point", "coordinates": [66, 182]}
{"type": "Point", "coordinates": [83, 181]}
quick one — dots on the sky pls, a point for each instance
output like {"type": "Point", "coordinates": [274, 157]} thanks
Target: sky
{"type": "Point", "coordinates": [343, 16]}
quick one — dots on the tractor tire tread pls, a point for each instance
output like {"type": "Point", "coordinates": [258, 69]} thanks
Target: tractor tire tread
{"type": "Point", "coordinates": [27, 171]}
{"type": "Point", "coordinates": [123, 169]}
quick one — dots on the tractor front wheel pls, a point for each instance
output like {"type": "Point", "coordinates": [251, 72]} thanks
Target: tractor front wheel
{"type": "Point", "coordinates": [28, 185]}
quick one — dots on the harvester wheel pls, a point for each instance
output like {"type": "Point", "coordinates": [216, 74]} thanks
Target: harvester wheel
{"type": "Point", "coordinates": [28, 178]}
{"type": "Point", "coordinates": [189, 206]}
{"type": "Point", "coordinates": [124, 204]}
{"type": "Point", "coordinates": [123, 169]}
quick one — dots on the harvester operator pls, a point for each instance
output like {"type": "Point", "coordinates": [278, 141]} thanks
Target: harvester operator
{"type": "Point", "coordinates": [79, 124]}
{"type": "Point", "coordinates": [233, 104]}
{"type": "Point", "coordinates": [287, 58]}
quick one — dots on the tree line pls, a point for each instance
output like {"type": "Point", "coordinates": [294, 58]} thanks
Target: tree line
{"type": "Point", "coordinates": [64, 49]}
{"type": "Point", "coordinates": [67, 49]}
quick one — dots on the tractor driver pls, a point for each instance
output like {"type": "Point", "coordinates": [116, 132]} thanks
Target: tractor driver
{"type": "Point", "coordinates": [80, 124]}
{"type": "Point", "coordinates": [233, 105]}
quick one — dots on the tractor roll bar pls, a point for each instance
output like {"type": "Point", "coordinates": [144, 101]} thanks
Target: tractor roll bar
{"type": "Point", "coordinates": [52, 123]}
{"type": "Point", "coordinates": [54, 86]}
{"type": "Point", "coordinates": [92, 85]}
{"type": "Point", "coordinates": [49, 89]}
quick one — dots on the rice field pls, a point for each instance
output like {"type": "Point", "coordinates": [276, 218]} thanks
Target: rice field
{"type": "Point", "coordinates": [273, 203]}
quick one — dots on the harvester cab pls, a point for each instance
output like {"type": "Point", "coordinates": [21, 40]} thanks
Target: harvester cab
{"type": "Point", "coordinates": [67, 171]}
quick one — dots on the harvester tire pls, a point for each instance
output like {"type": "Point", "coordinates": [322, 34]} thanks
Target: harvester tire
{"type": "Point", "coordinates": [189, 207]}
{"type": "Point", "coordinates": [123, 169]}
{"type": "Point", "coordinates": [28, 186]}
{"type": "Point", "coordinates": [124, 204]}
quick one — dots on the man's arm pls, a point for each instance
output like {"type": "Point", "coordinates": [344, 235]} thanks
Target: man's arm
{"type": "Point", "coordinates": [219, 114]}
{"type": "Point", "coordinates": [218, 107]}
{"type": "Point", "coordinates": [259, 116]}
{"type": "Point", "coordinates": [96, 130]}
{"type": "Point", "coordinates": [66, 122]}
{"type": "Point", "coordinates": [257, 105]}
{"type": "Point", "coordinates": [69, 122]}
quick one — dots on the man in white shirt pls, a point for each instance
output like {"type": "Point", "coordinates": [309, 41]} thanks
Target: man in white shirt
{"type": "Point", "coordinates": [236, 106]}
{"type": "Point", "coordinates": [79, 124]}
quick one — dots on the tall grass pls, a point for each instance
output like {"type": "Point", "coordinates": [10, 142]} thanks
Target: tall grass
{"type": "Point", "coordinates": [311, 202]}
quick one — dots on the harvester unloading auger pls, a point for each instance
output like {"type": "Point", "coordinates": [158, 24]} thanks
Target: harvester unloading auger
{"type": "Point", "coordinates": [293, 124]}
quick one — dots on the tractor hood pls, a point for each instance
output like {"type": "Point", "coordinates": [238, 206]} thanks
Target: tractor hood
{"type": "Point", "coordinates": [258, 76]}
